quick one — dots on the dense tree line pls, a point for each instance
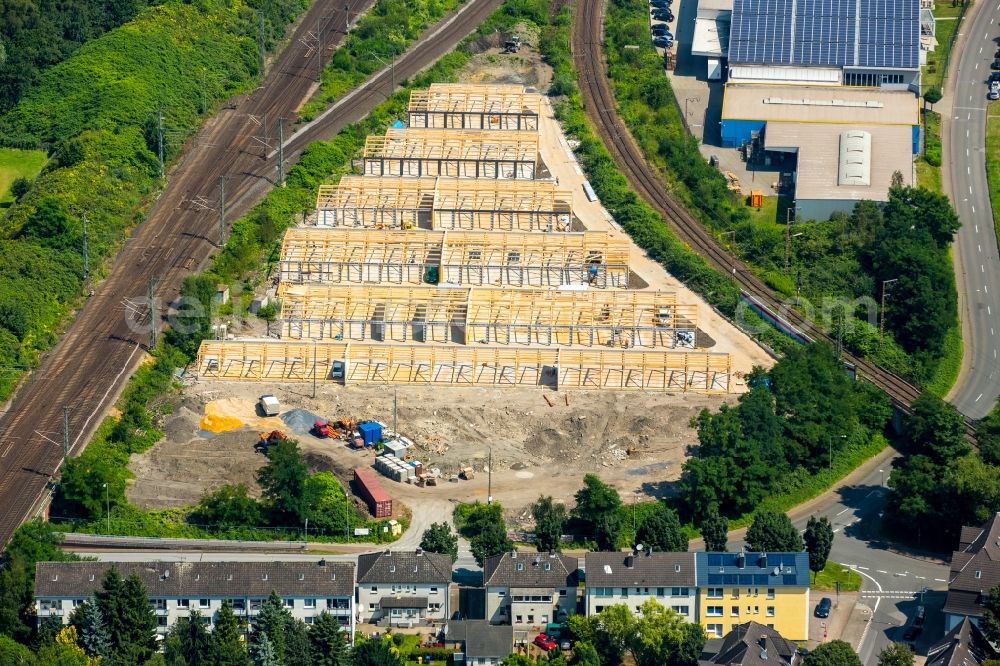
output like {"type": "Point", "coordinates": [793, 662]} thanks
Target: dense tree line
{"type": "Point", "coordinates": [791, 424]}
{"type": "Point", "coordinates": [657, 636]}
{"type": "Point", "coordinates": [941, 481]}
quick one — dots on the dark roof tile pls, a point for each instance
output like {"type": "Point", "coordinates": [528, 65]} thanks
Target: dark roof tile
{"type": "Point", "coordinates": [404, 566]}
{"type": "Point", "coordinates": [648, 569]}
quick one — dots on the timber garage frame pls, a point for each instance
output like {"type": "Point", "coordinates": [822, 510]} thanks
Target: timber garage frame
{"type": "Point", "coordinates": [304, 361]}
{"type": "Point", "coordinates": [487, 316]}
{"type": "Point", "coordinates": [444, 203]}
{"type": "Point", "coordinates": [454, 258]}
{"type": "Point", "coordinates": [454, 153]}
{"type": "Point", "coordinates": [479, 107]}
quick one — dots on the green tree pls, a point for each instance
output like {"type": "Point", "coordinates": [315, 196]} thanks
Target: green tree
{"type": "Point", "coordinates": [131, 622]}
{"type": "Point", "coordinates": [585, 654]}
{"type": "Point", "coordinates": [227, 647]}
{"type": "Point", "coordinates": [834, 653]}
{"type": "Point", "coordinates": [438, 538]}
{"type": "Point", "coordinates": [262, 651]}
{"type": "Point", "coordinates": [328, 507]}
{"type": "Point", "coordinates": [328, 642]}
{"type": "Point", "coordinates": [990, 621]}
{"type": "Point", "coordinates": [661, 531]}
{"type": "Point", "coordinates": [598, 508]}
{"type": "Point", "coordinates": [772, 531]}
{"type": "Point", "coordinates": [12, 652]}
{"type": "Point", "coordinates": [656, 632]}
{"type": "Point", "coordinates": [935, 429]}
{"type": "Point", "coordinates": [19, 187]}
{"type": "Point", "coordinates": [92, 629]}
{"type": "Point", "coordinates": [715, 531]}
{"type": "Point", "coordinates": [283, 480]}
{"type": "Point", "coordinates": [375, 652]}
{"type": "Point", "coordinates": [34, 541]}
{"type": "Point", "coordinates": [194, 644]}
{"type": "Point", "coordinates": [298, 650]}
{"type": "Point", "coordinates": [818, 541]}
{"type": "Point", "coordinates": [471, 519]}
{"type": "Point", "coordinates": [14, 318]}
{"type": "Point", "coordinates": [492, 540]}
{"type": "Point", "coordinates": [271, 622]}
{"type": "Point", "coordinates": [229, 506]}
{"type": "Point", "coordinates": [897, 654]}
{"type": "Point", "coordinates": [932, 96]}
{"type": "Point", "coordinates": [550, 521]}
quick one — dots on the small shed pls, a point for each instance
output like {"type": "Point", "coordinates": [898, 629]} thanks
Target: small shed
{"type": "Point", "coordinates": [221, 296]}
{"type": "Point", "coordinates": [396, 448]}
{"type": "Point", "coordinates": [257, 303]}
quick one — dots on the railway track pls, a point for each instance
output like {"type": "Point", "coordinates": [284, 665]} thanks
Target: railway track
{"type": "Point", "coordinates": [599, 104]}
{"type": "Point", "coordinates": [87, 369]}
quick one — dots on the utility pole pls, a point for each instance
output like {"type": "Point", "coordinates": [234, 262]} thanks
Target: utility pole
{"type": "Point", "coordinates": [789, 218]}
{"type": "Point", "coordinates": [66, 433]}
{"type": "Point", "coordinates": [489, 478]}
{"type": "Point", "coordinates": [881, 312]}
{"type": "Point", "coordinates": [151, 296]}
{"type": "Point", "coordinates": [281, 152]}
{"type": "Point", "coordinates": [86, 255]}
{"type": "Point", "coordinates": [222, 210]}
{"type": "Point", "coordinates": [159, 138]}
{"type": "Point", "coordinates": [319, 49]}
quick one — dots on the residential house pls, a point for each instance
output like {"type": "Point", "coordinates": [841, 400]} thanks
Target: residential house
{"type": "Point", "coordinates": [403, 588]}
{"type": "Point", "coordinates": [754, 644]}
{"type": "Point", "coordinates": [769, 588]}
{"type": "Point", "coordinates": [632, 578]}
{"type": "Point", "coordinates": [478, 642]}
{"type": "Point", "coordinates": [530, 589]}
{"type": "Point", "coordinates": [975, 570]}
{"type": "Point", "coordinates": [177, 588]}
{"type": "Point", "coordinates": [963, 645]}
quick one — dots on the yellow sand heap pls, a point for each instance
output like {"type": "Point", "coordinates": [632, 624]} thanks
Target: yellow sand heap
{"type": "Point", "coordinates": [216, 420]}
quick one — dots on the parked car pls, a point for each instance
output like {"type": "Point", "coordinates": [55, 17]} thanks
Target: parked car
{"type": "Point", "coordinates": [996, 64]}
{"type": "Point", "coordinates": [911, 633]}
{"type": "Point", "coordinates": [543, 641]}
{"type": "Point", "coordinates": [918, 619]}
{"type": "Point", "coordinates": [993, 94]}
{"type": "Point", "coordinates": [663, 42]}
{"type": "Point", "coordinates": [663, 15]}
{"type": "Point", "coordinates": [660, 29]}
{"type": "Point", "coordinates": [823, 607]}
{"type": "Point", "coordinates": [660, 4]}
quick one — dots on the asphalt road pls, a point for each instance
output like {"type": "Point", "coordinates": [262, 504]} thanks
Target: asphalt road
{"type": "Point", "coordinates": [976, 242]}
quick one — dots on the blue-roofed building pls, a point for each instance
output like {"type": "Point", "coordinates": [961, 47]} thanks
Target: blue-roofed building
{"type": "Point", "coordinates": [869, 43]}
{"type": "Point", "coordinates": [771, 589]}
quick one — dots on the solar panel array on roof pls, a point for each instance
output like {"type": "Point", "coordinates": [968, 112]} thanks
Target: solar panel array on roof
{"type": "Point", "coordinates": [861, 33]}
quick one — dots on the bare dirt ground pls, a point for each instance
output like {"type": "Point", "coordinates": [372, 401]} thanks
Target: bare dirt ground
{"type": "Point", "coordinates": [637, 441]}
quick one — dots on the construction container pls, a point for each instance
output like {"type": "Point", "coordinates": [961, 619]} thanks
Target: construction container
{"type": "Point", "coordinates": [370, 490]}
{"type": "Point", "coordinates": [371, 432]}
{"type": "Point", "coordinates": [397, 449]}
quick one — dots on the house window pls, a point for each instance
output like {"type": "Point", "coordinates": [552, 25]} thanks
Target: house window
{"type": "Point", "coordinates": [714, 593]}
{"type": "Point", "coordinates": [203, 603]}
{"type": "Point", "coordinates": [435, 608]}
{"type": "Point", "coordinates": [434, 590]}
{"type": "Point", "coordinates": [660, 591]}
{"type": "Point", "coordinates": [770, 593]}
{"type": "Point", "coordinates": [770, 611]}
{"type": "Point", "coordinates": [77, 602]}
{"type": "Point", "coordinates": [714, 630]}
{"type": "Point", "coordinates": [161, 621]}
{"type": "Point", "coordinates": [255, 604]}
{"type": "Point", "coordinates": [599, 608]}
{"type": "Point", "coordinates": [160, 604]}
{"type": "Point", "coordinates": [713, 611]}
{"type": "Point", "coordinates": [289, 603]}
{"type": "Point", "coordinates": [736, 593]}
{"type": "Point", "coordinates": [770, 626]}
{"type": "Point", "coordinates": [625, 592]}
{"type": "Point", "coordinates": [531, 619]}
{"type": "Point", "coordinates": [309, 603]}
{"type": "Point", "coordinates": [518, 619]}
{"type": "Point", "coordinates": [309, 620]}
{"type": "Point", "coordinates": [374, 588]}
{"type": "Point", "coordinates": [183, 603]}
{"type": "Point", "coordinates": [756, 610]}
{"type": "Point", "coordinates": [50, 604]}
{"type": "Point", "coordinates": [502, 593]}
{"type": "Point", "coordinates": [239, 604]}
{"type": "Point", "coordinates": [683, 592]}
{"type": "Point", "coordinates": [683, 610]}
{"type": "Point", "coordinates": [371, 607]}
{"type": "Point", "coordinates": [562, 593]}
{"type": "Point", "coordinates": [734, 611]}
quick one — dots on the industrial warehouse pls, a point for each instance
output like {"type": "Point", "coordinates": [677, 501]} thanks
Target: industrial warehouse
{"type": "Point", "coordinates": [456, 258]}
{"type": "Point", "coordinates": [826, 92]}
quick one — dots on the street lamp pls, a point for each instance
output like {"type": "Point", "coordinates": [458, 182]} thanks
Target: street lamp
{"type": "Point", "coordinates": [107, 505]}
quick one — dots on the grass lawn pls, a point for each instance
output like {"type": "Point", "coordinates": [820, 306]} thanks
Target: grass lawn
{"type": "Point", "coordinates": [15, 164]}
{"type": "Point", "coordinates": [993, 159]}
{"type": "Point", "coordinates": [928, 176]}
{"type": "Point", "coordinates": [832, 573]}
{"type": "Point", "coordinates": [934, 71]}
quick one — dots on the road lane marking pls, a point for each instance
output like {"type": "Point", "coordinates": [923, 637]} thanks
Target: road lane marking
{"type": "Point", "coordinates": [880, 571]}
{"type": "Point", "coordinates": [878, 600]}
{"type": "Point", "coordinates": [978, 397]}
{"type": "Point", "coordinates": [940, 580]}
{"type": "Point", "coordinates": [844, 511]}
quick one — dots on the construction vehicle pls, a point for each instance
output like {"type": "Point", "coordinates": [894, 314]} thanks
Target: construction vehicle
{"type": "Point", "coordinates": [268, 439]}
{"type": "Point", "coordinates": [467, 473]}
{"type": "Point", "coordinates": [512, 44]}
{"type": "Point", "coordinates": [323, 430]}
{"type": "Point", "coordinates": [269, 405]}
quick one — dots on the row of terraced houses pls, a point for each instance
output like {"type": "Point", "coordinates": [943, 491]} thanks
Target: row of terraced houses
{"type": "Point", "coordinates": [522, 589]}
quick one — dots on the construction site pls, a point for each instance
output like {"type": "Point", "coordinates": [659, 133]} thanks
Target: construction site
{"type": "Point", "coordinates": [465, 260]}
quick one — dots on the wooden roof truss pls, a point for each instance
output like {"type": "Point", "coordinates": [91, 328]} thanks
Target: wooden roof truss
{"type": "Point", "coordinates": [303, 361]}
{"type": "Point", "coordinates": [463, 106]}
